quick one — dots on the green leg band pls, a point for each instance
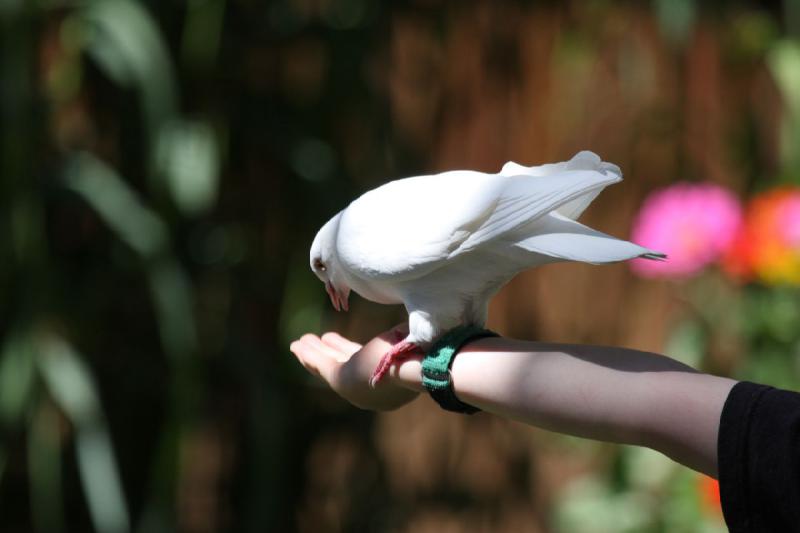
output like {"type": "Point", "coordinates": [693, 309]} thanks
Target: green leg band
{"type": "Point", "coordinates": [437, 362]}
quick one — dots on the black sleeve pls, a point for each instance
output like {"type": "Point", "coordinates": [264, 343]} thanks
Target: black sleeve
{"type": "Point", "coordinates": [759, 459]}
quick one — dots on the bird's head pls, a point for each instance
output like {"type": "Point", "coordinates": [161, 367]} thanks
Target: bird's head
{"type": "Point", "coordinates": [325, 264]}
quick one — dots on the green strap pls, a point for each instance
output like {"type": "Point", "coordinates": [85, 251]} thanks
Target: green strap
{"type": "Point", "coordinates": [437, 362]}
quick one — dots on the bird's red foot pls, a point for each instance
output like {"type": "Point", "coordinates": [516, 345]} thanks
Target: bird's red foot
{"type": "Point", "coordinates": [399, 351]}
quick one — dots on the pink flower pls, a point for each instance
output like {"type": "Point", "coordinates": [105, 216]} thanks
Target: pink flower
{"type": "Point", "coordinates": [693, 223]}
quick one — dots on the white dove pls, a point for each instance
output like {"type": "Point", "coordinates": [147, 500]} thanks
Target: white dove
{"type": "Point", "coordinates": [443, 244]}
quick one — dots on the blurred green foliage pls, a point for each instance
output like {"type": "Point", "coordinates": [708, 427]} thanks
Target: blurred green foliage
{"type": "Point", "coordinates": [163, 166]}
{"type": "Point", "coordinates": [142, 292]}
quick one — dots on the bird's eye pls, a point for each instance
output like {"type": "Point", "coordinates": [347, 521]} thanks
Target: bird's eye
{"type": "Point", "coordinates": [319, 265]}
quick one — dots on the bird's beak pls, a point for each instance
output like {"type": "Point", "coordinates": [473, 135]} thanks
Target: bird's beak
{"type": "Point", "coordinates": [338, 299]}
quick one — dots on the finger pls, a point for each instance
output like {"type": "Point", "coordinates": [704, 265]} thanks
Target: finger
{"type": "Point", "coordinates": [302, 351]}
{"type": "Point", "coordinates": [307, 350]}
{"type": "Point", "coordinates": [324, 348]}
{"type": "Point", "coordinates": [322, 358]}
{"type": "Point", "coordinates": [340, 343]}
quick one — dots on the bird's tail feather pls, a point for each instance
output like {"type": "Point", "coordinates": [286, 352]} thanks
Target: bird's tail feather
{"type": "Point", "coordinates": [559, 237]}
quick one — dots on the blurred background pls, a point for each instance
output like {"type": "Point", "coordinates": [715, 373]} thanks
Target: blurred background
{"type": "Point", "coordinates": [165, 165]}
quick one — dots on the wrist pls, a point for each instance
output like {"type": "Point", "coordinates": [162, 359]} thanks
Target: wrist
{"type": "Point", "coordinates": [408, 374]}
{"type": "Point", "coordinates": [468, 365]}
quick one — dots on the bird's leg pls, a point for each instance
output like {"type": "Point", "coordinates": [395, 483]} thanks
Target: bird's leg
{"type": "Point", "coordinates": [399, 351]}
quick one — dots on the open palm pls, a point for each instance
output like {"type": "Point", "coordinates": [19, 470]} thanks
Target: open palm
{"type": "Point", "coordinates": [347, 366]}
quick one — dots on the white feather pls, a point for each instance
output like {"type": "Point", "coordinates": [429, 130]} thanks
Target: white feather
{"type": "Point", "coordinates": [444, 244]}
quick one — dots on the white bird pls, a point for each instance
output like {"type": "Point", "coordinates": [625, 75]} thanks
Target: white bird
{"type": "Point", "coordinates": [443, 244]}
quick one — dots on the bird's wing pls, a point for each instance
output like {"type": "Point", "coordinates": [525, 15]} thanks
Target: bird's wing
{"type": "Point", "coordinates": [557, 236]}
{"type": "Point", "coordinates": [408, 228]}
{"type": "Point", "coordinates": [526, 198]}
{"type": "Point", "coordinates": [584, 160]}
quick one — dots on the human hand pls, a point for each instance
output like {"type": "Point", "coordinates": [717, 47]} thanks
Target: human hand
{"type": "Point", "coordinates": [347, 367]}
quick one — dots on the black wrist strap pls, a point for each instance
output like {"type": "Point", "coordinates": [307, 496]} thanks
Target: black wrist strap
{"type": "Point", "coordinates": [436, 365]}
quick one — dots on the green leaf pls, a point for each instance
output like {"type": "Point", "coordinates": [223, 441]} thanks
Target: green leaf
{"type": "Point", "coordinates": [70, 383]}
{"type": "Point", "coordinates": [784, 64]}
{"type": "Point", "coordinates": [189, 158]}
{"type": "Point", "coordinates": [68, 380]}
{"type": "Point", "coordinates": [126, 43]}
{"type": "Point", "coordinates": [173, 301]}
{"type": "Point", "coordinates": [117, 204]}
{"type": "Point", "coordinates": [101, 480]}
{"type": "Point", "coordinates": [143, 231]}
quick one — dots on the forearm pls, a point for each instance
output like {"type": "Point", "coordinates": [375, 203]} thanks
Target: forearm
{"type": "Point", "coordinates": [609, 394]}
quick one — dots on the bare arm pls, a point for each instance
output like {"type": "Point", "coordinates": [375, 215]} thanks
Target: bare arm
{"type": "Point", "coordinates": [604, 393]}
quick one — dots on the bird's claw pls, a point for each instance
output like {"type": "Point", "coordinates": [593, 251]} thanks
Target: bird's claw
{"type": "Point", "coordinates": [398, 352]}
